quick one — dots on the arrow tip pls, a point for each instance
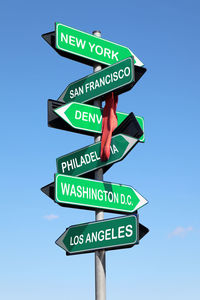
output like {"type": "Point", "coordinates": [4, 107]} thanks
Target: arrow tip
{"type": "Point", "coordinates": [61, 112]}
{"type": "Point", "coordinates": [131, 142]}
{"type": "Point", "coordinates": [49, 37]}
{"type": "Point", "coordinates": [49, 190]}
{"type": "Point", "coordinates": [142, 231]}
{"type": "Point", "coordinates": [137, 61]}
{"type": "Point", "coordinates": [142, 200]}
{"type": "Point", "coordinates": [59, 241]}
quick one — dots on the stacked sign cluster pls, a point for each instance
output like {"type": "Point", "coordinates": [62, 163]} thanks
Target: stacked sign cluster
{"type": "Point", "coordinates": [74, 185]}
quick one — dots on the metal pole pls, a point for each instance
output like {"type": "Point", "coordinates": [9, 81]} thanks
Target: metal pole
{"type": "Point", "coordinates": [100, 256]}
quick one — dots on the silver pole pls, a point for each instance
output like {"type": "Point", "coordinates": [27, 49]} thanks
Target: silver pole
{"type": "Point", "coordinates": [100, 256]}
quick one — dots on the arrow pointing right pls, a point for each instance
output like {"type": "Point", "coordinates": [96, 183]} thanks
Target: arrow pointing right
{"type": "Point", "coordinates": [87, 159]}
{"type": "Point", "coordinates": [85, 47]}
{"type": "Point", "coordinates": [84, 193]}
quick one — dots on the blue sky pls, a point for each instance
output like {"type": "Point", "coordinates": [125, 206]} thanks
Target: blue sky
{"type": "Point", "coordinates": [165, 169]}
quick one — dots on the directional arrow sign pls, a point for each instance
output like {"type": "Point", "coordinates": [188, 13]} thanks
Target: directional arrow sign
{"type": "Point", "coordinates": [91, 47]}
{"type": "Point", "coordinates": [87, 48]}
{"type": "Point", "coordinates": [92, 194]}
{"type": "Point", "coordinates": [131, 124]}
{"type": "Point", "coordinates": [88, 158]}
{"type": "Point", "coordinates": [109, 234]}
{"type": "Point", "coordinates": [89, 117]}
{"type": "Point", "coordinates": [117, 78]}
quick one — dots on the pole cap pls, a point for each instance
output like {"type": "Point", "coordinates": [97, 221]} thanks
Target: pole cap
{"type": "Point", "coordinates": [97, 33]}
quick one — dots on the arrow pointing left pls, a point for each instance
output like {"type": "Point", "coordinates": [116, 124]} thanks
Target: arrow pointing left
{"type": "Point", "coordinates": [108, 234]}
{"type": "Point", "coordinates": [89, 117]}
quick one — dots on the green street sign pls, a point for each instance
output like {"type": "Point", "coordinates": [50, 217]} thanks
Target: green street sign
{"type": "Point", "coordinates": [90, 47]}
{"type": "Point", "coordinates": [92, 194]}
{"type": "Point", "coordinates": [116, 78]}
{"type": "Point", "coordinates": [89, 118]}
{"type": "Point", "coordinates": [88, 158]}
{"type": "Point", "coordinates": [107, 234]}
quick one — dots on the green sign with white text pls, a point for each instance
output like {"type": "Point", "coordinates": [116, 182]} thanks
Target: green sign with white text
{"type": "Point", "coordinates": [89, 117]}
{"type": "Point", "coordinates": [109, 234]}
{"type": "Point", "coordinates": [88, 159]}
{"type": "Point", "coordinates": [92, 194]}
{"type": "Point", "coordinates": [90, 47]}
{"type": "Point", "coordinates": [117, 78]}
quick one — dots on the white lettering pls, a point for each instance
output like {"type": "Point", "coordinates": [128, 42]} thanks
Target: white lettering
{"type": "Point", "coordinates": [64, 37]}
{"type": "Point", "coordinates": [81, 239]}
{"type": "Point", "coordinates": [122, 199]}
{"type": "Point", "coordinates": [105, 194]}
{"type": "Point", "coordinates": [65, 189]}
{"type": "Point", "coordinates": [120, 77]}
{"type": "Point", "coordinates": [85, 192]}
{"type": "Point", "coordinates": [115, 55]}
{"type": "Point", "coordinates": [107, 82]}
{"type": "Point", "coordinates": [110, 197]}
{"type": "Point", "coordinates": [96, 84]}
{"type": "Point", "coordinates": [94, 194]}
{"type": "Point", "coordinates": [85, 116]}
{"type": "Point", "coordinates": [101, 50]}
{"type": "Point", "coordinates": [82, 161]}
{"type": "Point", "coordinates": [71, 94]}
{"type": "Point", "coordinates": [77, 115]}
{"type": "Point", "coordinates": [100, 197]}
{"type": "Point", "coordinates": [97, 157]}
{"type": "Point", "coordinates": [116, 197]}
{"type": "Point", "coordinates": [121, 232]}
{"type": "Point", "coordinates": [125, 71]}
{"type": "Point", "coordinates": [63, 165]}
{"type": "Point", "coordinates": [88, 238]}
{"type": "Point", "coordinates": [76, 239]}
{"type": "Point", "coordinates": [91, 46]}
{"type": "Point", "coordinates": [107, 51]}
{"type": "Point", "coordinates": [129, 197]}
{"type": "Point", "coordinates": [102, 81]}
{"type": "Point", "coordinates": [94, 236]}
{"type": "Point", "coordinates": [72, 40]}
{"type": "Point", "coordinates": [69, 164]}
{"type": "Point", "coordinates": [73, 191]}
{"type": "Point", "coordinates": [92, 155]}
{"type": "Point", "coordinates": [79, 192]}
{"type": "Point", "coordinates": [99, 119]}
{"type": "Point", "coordinates": [87, 86]}
{"type": "Point", "coordinates": [87, 158]}
{"type": "Point", "coordinates": [80, 42]}
{"type": "Point", "coordinates": [71, 243]}
{"type": "Point", "coordinates": [91, 85]}
{"type": "Point", "coordinates": [129, 231]}
{"type": "Point", "coordinates": [115, 76]}
{"type": "Point", "coordinates": [113, 234]}
{"type": "Point", "coordinates": [101, 235]}
{"type": "Point", "coordinates": [115, 149]}
{"type": "Point", "coordinates": [91, 118]}
{"type": "Point", "coordinates": [107, 234]}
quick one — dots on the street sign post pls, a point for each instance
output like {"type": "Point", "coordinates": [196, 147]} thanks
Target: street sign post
{"type": "Point", "coordinates": [123, 70]}
{"type": "Point", "coordinates": [116, 78]}
{"type": "Point", "coordinates": [88, 159]}
{"type": "Point", "coordinates": [110, 234]}
{"type": "Point", "coordinates": [89, 117]}
{"type": "Point", "coordinates": [92, 194]}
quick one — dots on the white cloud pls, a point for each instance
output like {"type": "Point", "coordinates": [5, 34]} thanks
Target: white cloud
{"type": "Point", "coordinates": [51, 217]}
{"type": "Point", "coordinates": [180, 231]}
